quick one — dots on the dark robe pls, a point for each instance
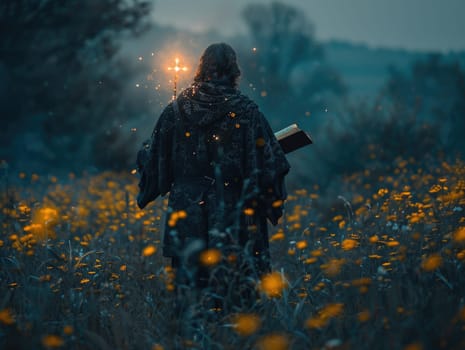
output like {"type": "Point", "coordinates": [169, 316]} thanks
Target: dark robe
{"type": "Point", "coordinates": [216, 155]}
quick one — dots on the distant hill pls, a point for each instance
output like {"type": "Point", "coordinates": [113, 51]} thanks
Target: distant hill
{"type": "Point", "coordinates": [365, 69]}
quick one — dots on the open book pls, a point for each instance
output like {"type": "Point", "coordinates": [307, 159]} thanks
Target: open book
{"type": "Point", "coordinates": [292, 138]}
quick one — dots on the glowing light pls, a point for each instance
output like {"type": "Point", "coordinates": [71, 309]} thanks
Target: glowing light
{"type": "Point", "coordinates": [7, 317]}
{"type": "Point", "coordinates": [333, 267]}
{"type": "Point", "coordinates": [273, 342]}
{"type": "Point", "coordinates": [273, 284]}
{"type": "Point", "coordinates": [177, 68]}
{"type": "Point", "coordinates": [323, 317]}
{"type": "Point", "coordinates": [149, 250]}
{"type": "Point", "coordinates": [246, 324]}
{"type": "Point", "coordinates": [364, 316]}
{"type": "Point", "coordinates": [68, 329]}
{"type": "Point", "coordinates": [349, 244]}
{"type": "Point", "coordinates": [301, 245]}
{"type": "Point", "coordinates": [52, 341]}
{"type": "Point", "coordinates": [431, 263]}
{"type": "Point", "coordinates": [249, 211]}
{"type": "Point", "coordinates": [175, 216]}
{"type": "Point", "coordinates": [459, 235]}
{"type": "Point", "coordinates": [277, 237]}
{"type": "Point", "coordinates": [210, 257]}
{"type": "Point", "coordinates": [260, 142]}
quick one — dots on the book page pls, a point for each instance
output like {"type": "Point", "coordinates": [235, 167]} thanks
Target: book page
{"type": "Point", "coordinates": [287, 131]}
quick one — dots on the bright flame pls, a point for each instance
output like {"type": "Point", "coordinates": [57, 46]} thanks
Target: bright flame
{"type": "Point", "coordinates": [176, 67]}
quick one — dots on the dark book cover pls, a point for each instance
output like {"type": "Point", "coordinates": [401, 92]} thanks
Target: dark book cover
{"type": "Point", "coordinates": [293, 138]}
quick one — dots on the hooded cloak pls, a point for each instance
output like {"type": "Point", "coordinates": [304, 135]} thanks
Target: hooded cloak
{"type": "Point", "coordinates": [216, 155]}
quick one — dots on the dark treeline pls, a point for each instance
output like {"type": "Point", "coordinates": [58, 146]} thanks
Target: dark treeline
{"type": "Point", "coordinates": [61, 81]}
{"type": "Point", "coordinates": [66, 105]}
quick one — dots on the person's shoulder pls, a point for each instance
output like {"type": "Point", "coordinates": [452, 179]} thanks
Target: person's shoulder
{"type": "Point", "coordinates": [168, 111]}
{"type": "Point", "coordinates": [167, 116]}
{"type": "Point", "coordinates": [244, 105]}
{"type": "Point", "coordinates": [188, 93]}
{"type": "Point", "coordinates": [244, 100]}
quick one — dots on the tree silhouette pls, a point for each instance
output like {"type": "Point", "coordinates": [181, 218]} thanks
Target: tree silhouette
{"type": "Point", "coordinates": [284, 62]}
{"type": "Point", "coordinates": [434, 90]}
{"type": "Point", "coordinates": [61, 79]}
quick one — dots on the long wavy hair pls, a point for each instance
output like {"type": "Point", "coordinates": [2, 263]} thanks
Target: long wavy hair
{"type": "Point", "coordinates": [218, 63]}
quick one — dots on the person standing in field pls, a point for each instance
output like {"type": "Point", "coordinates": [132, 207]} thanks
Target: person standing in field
{"type": "Point", "coordinates": [216, 155]}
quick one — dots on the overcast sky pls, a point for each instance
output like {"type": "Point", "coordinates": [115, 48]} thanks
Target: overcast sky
{"type": "Point", "coordinates": [409, 24]}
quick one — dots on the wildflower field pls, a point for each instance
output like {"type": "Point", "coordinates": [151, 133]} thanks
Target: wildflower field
{"type": "Point", "coordinates": [377, 266]}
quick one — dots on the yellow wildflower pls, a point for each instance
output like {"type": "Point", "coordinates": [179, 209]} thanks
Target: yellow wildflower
{"type": "Point", "coordinates": [249, 211]}
{"type": "Point", "coordinates": [7, 317]}
{"type": "Point", "coordinates": [273, 342]}
{"type": "Point", "coordinates": [431, 263]}
{"type": "Point", "coordinates": [52, 341]}
{"type": "Point", "coordinates": [349, 244]}
{"type": "Point", "coordinates": [333, 267]}
{"type": "Point", "coordinates": [68, 329]}
{"type": "Point", "coordinates": [364, 316]}
{"type": "Point", "coordinates": [246, 324]}
{"type": "Point", "coordinates": [459, 235]}
{"type": "Point", "coordinates": [210, 257]}
{"type": "Point", "coordinates": [149, 250]}
{"type": "Point", "coordinates": [273, 284]}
